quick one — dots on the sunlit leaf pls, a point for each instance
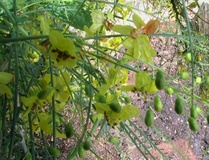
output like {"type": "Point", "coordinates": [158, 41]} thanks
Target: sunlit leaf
{"type": "Point", "coordinates": [65, 78]}
{"type": "Point", "coordinates": [88, 31]}
{"type": "Point", "coordinates": [144, 83]}
{"type": "Point", "coordinates": [62, 95]}
{"type": "Point", "coordinates": [44, 24]}
{"type": "Point", "coordinates": [42, 83]}
{"type": "Point", "coordinates": [62, 51]}
{"type": "Point", "coordinates": [123, 29]}
{"type": "Point", "coordinates": [98, 16]}
{"type": "Point", "coordinates": [123, 10]}
{"type": "Point", "coordinates": [146, 50]}
{"type": "Point", "coordinates": [102, 107]}
{"type": "Point", "coordinates": [47, 77]}
{"type": "Point", "coordinates": [5, 77]}
{"type": "Point", "coordinates": [29, 101]}
{"type": "Point", "coordinates": [98, 21]}
{"type": "Point", "coordinates": [128, 43]}
{"type": "Point", "coordinates": [137, 21]}
{"type": "Point", "coordinates": [136, 49]}
{"type": "Point", "coordinates": [127, 88]}
{"type": "Point", "coordinates": [103, 88]}
{"type": "Point", "coordinates": [45, 123]}
{"type": "Point", "coordinates": [127, 112]}
{"type": "Point", "coordinates": [5, 90]}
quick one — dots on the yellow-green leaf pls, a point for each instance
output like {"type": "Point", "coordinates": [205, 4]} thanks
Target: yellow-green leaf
{"type": "Point", "coordinates": [44, 24]}
{"type": "Point", "coordinates": [127, 88]}
{"type": "Point", "coordinates": [29, 101]}
{"type": "Point", "coordinates": [144, 83]}
{"type": "Point", "coordinates": [5, 77]}
{"type": "Point", "coordinates": [98, 16]}
{"type": "Point", "coordinates": [102, 107]}
{"type": "Point", "coordinates": [45, 124]}
{"type": "Point", "coordinates": [123, 29]}
{"type": "Point", "coordinates": [5, 90]}
{"type": "Point", "coordinates": [137, 21]}
{"type": "Point", "coordinates": [127, 112]}
{"type": "Point", "coordinates": [147, 52]}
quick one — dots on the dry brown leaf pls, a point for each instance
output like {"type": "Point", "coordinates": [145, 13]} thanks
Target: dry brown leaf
{"type": "Point", "coordinates": [151, 26]}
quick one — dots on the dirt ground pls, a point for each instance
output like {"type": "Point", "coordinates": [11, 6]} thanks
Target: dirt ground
{"type": "Point", "coordinates": [192, 146]}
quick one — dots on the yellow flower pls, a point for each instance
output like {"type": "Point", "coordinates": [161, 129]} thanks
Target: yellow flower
{"type": "Point", "coordinates": [62, 51]}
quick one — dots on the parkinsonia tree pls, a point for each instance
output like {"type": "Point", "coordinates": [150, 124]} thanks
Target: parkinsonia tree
{"type": "Point", "coordinates": [63, 75]}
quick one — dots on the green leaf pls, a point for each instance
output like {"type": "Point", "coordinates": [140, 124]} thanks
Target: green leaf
{"type": "Point", "coordinates": [123, 29]}
{"type": "Point", "coordinates": [147, 52]}
{"type": "Point", "coordinates": [103, 88]}
{"type": "Point", "coordinates": [98, 21]}
{"type": "Point", "coordinates": [144, 83]}
{"type": "Point", "coordinates": [102, 107]}
{"type": "Point", "coordinates": [137, 21]}
{"type": "Point", "coordinates": [29, 101]}
{"type": "Point", "coordinates": [127, 112]}
{"type": "Point", "coordinates": [5, 77]}
{"type": "Point", "coordinates": [127, 88]}
{"type": "Point", "coordinates": [152, 88]}
{"type": "Point", "coordinates": [44, 24]}
{"type": "Point", "coordinates": [98, 16]}
{"type": "Point", "coordinates": [62, 51]}
{"type": "Point", "coordinates": [45, 124]}
{"type": "Point", "coordinates": [5, 90]}
{"type": "Point", "coordinates": [136, 49]}
{"type": "Point", "coordinates": [89, 32]}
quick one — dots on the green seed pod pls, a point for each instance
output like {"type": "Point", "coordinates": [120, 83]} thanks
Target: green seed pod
{"type": "Point", "coordinates": [160, 80]}
{"type": "Point", "coordinates": [81, 152]}
{"type": "Point", "coordinates": [43, 94]}
{"type": "Point", "coordinates": [208, 118]}
{"type": "Point", "coordinates": [184, 75]}
{"type": "Point", "coordinates": [114, 140]}
{"type": "Point", "coordinates": [88, 91]}
{"type": "Point", "coordinates": [193, 125]}
{"type": "Point", "coordinates": [158, 106]}
{"type": "Point", "coordinates": [149, 118]}
{"type": "Point", "coordinates": [69, 130]}
{"type": "Point", "coordinates": [127, 100]}
{"type": "Point", "coordinates": [72, 154]}
{"type": "Point", "coordinates": [115, 107]}
{"type": "Point", "coordinates": [42, 83]}
{"type": "Point", "coordinates": [207, 80]}
{"type": "Point", "coordinates": [169, 91]}
{"type": "Point", "coordinates": [179, 108]}
{"type": "Point", "coordinates": [193, 112]}
{"type": "Point", "coordinates": [102, 99]}
{"type": "Point", "coordinates": [188, 56]}
{"type": "Point", "coordinates": [87, 145]}
{"type": "Point", "coordinates": [54, 152]}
